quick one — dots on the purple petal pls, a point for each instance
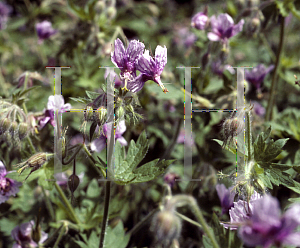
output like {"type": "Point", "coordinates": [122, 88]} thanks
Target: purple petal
{"type": "Point", "coordinates": [238, 27]}
{"type": "Point", "coordinates": [118, 54]}
{"type": "Point", "coordinates": [134, 50]}
{"type": "Point", "coordinates": [160, 58]}
{"type": "Point", "coordinates": [122, 141]}
{"type": "Point", "coordinates": [99, 144]}
{"type": "Point", "coordinates": [213, 37]}
{"type": "Point", "coordinates": [2, 170]}
{"type": "Point", "coordinates": [292, 239]}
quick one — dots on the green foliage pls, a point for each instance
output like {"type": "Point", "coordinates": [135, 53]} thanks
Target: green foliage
{"type": "Point", "coordinates": [115, 237]}
{"type": "Point", "coordinates": [125, 168]}
{"type": "Point", "coordinates": [224, 237]}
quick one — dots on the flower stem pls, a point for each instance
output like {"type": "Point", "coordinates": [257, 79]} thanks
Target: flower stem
{"type": "Point", "coordinates": [142, 222]}
{"type": "Point", "coordinates": [67, 203]}
{"type": "Point", "coordinates": [274, 78]}
{"type": "Point", "coordinates": [181, 200]}
{"type": "Point", "coordinates": [105, 213]}
{"type": "Point", "coordinates": [188, 219]}
{"type": "Point", "coordinates": [248, 132]}
{"type": "Point", "coordinates": [107, 188]}
{"type": "Point", "coordinates": [48, 204]}
{"type": "Point", "coordinates": [102, 170]}
{"type": "Point", "coordinates": [30, 144]}
{"type": "Point", "coordinates": [61, 234]}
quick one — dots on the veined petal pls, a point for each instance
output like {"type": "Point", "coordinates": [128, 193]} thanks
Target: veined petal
{"type": "Point", "coordinates": [117, 55]}
{"type": "Point", "coordinates": [213, 37]}
{"type": "Point", "coordinates": [134, 50]}
{"type": "Point", "coordinates": [161, 57]}
{"type": "Point", "coordinates": [238, 27]}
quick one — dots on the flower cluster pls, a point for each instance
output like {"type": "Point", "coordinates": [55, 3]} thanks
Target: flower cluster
{"type": "Point", "coordinates": [222, 26]}
{"type": "Point", "coordinates": [8, 186]}
{"type": "Point", "coordinates": [132, 59]}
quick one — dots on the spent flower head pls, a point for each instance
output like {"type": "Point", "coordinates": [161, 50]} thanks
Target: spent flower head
{"type": "Point", "coordinates": [8, 187]}
{"type": "Point", "coordinates": [223, 27]}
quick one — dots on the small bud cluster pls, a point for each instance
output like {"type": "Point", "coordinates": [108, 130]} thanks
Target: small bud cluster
{"type": "Point", "coordinates": [13, 124]}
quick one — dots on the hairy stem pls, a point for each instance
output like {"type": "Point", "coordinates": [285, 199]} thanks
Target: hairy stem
{"type": "Point", "coordinates": [248, 132]}
{"type": "Point", "coordinates": [105, 213]}
{"type": "Point", "coordinates": [61, 234]}
{"type": "Point", "coordinates": [274, 78]}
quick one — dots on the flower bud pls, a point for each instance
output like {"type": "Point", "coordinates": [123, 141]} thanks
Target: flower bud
{"type": "Point", "coordinates": [14, 127]}
{"type": "Point", "coordinates": [89, 114]}
{"type": "Point", "coordinates": [232, 127]}
{"type": "Point", "coordinates": [120, 112]}
{"type": "Point", "coordinates": [4, 125]}
{"type": "Point", "coordinates": [73, 182]}
{"type": "Point", "coordinates": [23, 130]}
{"type": "Point", "coordinates": [100, 116]}
{"type": "Point", "coordinates": [253, 26]}
{"type": "Point", "coordinates": [166, 226]}
{"type": "Point", "coordinates": [129, 108]}
{"type": "Point", "coordinates": [111, 12]}
{"type": "Point", "coordinates": [8, 138]}
{"type": "Point", "coordinates": [36, 233]}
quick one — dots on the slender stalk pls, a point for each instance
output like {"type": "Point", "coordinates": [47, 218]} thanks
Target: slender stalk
{"type": "Point", "coordinates": [73, 155]}
{"type": "Point", "coordinates": [188, 219]}
{"type": "Point", "coordinates": [30, 144]}
{"type": "Point", "coordinates": [107, 189]}
{"type": "Point", "coordinates": [274, 78]}
{"type": "Point", "coordinates": [102, 170]}
{"type": "Point", "coordinates": [67, 203]}
{"type": "Point", "coordinates": [49, 206]}
{"type": "Point", "coordinates": [61, 234]}
{"type": "Point", "coordinates": [202, 221]}
{"type": "Point", "coordinates": [248, 132]}
{"type": "Point", "coordinates": [182, 200]}
{"type": "Point", "coordinates": [105, 213]}
{"type": "Point", "coordinates": [142, 222]}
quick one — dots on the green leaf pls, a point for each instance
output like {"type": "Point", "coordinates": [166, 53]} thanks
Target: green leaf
{"type": "Point", "coordinates": [92, 95]}
{"type": "Point", "coordinates": [230, 148]}
{"type": "Point", "coordinates": [79, 99]}
{"type": "Point", "coordinates": [283, 6]}
{"type": "Point", "coordinates": [22, 93]}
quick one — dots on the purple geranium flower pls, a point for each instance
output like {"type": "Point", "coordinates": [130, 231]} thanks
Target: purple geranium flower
{"type": "Point", "coordinates": [241, 211]}
{"type": "Point", "coordinates": [223, 27]}
{"type": "Point", "coordinates": [226, 197]}
{"type": "Point", "coordinates": [199, 21]}
{"type": "Point", "coordinates": [8, 186]}
{"type": "Point", "coordinates": [55, 102]}
{"type": "Point", "coordinates": [257, 75]}
{"type": "Point", "coordinates": [170, 178]}
{"type": "Point", "coordinates": [266, 226]}
{"type": "Point", "coordinates": [181, 138]}
{"type": "Point", "coordinates": [183, 37]}
{"type": "Point", "coordinates": [44, 30]}
{"type": "Point", "coordinates": [23, 236]}
{"type": "Point", "coordinates": [151, 68]}
{"type": "Point", "coordinates": [126, 59]}
{"type": "Point", "coordinates": [99, 144]}
{"type": "Point", "coordinates": [4, 13]}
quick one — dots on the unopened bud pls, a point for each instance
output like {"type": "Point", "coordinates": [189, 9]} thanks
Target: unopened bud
{"type": "Point", "coordinates": [101, 116]}
{"type": "Point", "coordinates": [166, 226]}
{"type": "Point", "coordinates": [253, 26]}
{"type": "Point", "coordinates": [89, 114]}
{"type": "Point", "coordinates": [100, 6]}
{"type": "Point", "coordinates": [129, 108]}
{"type": "Point", "coordinates": [37, 160]}
{"type": "Point", "coordinates": [23, 130]}
{"type": "Point", "coordinates": [73, 182]}
{"type": "Point", "coordinates": [111, 12]}
{"type": "Point", "coordinates": [7, 138]}
{"type": "Point", "coordinates": [14, 127]}
{"type": "Point", "coordinates": [36, 233]}
{"type": "Point", "coordinates": [4, 125]}
{"type": "Point", "coordinates": [120, 112]}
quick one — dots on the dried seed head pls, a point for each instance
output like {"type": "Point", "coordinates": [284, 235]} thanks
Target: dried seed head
{"type": "Point", "coordinates": [232, 127]}
{"type": "Point", "coordinates": [166, 227]}
{"type": "Point", "coordinates": [37, 160]}
{"type": "Point", "coordinates": [23, 130]}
